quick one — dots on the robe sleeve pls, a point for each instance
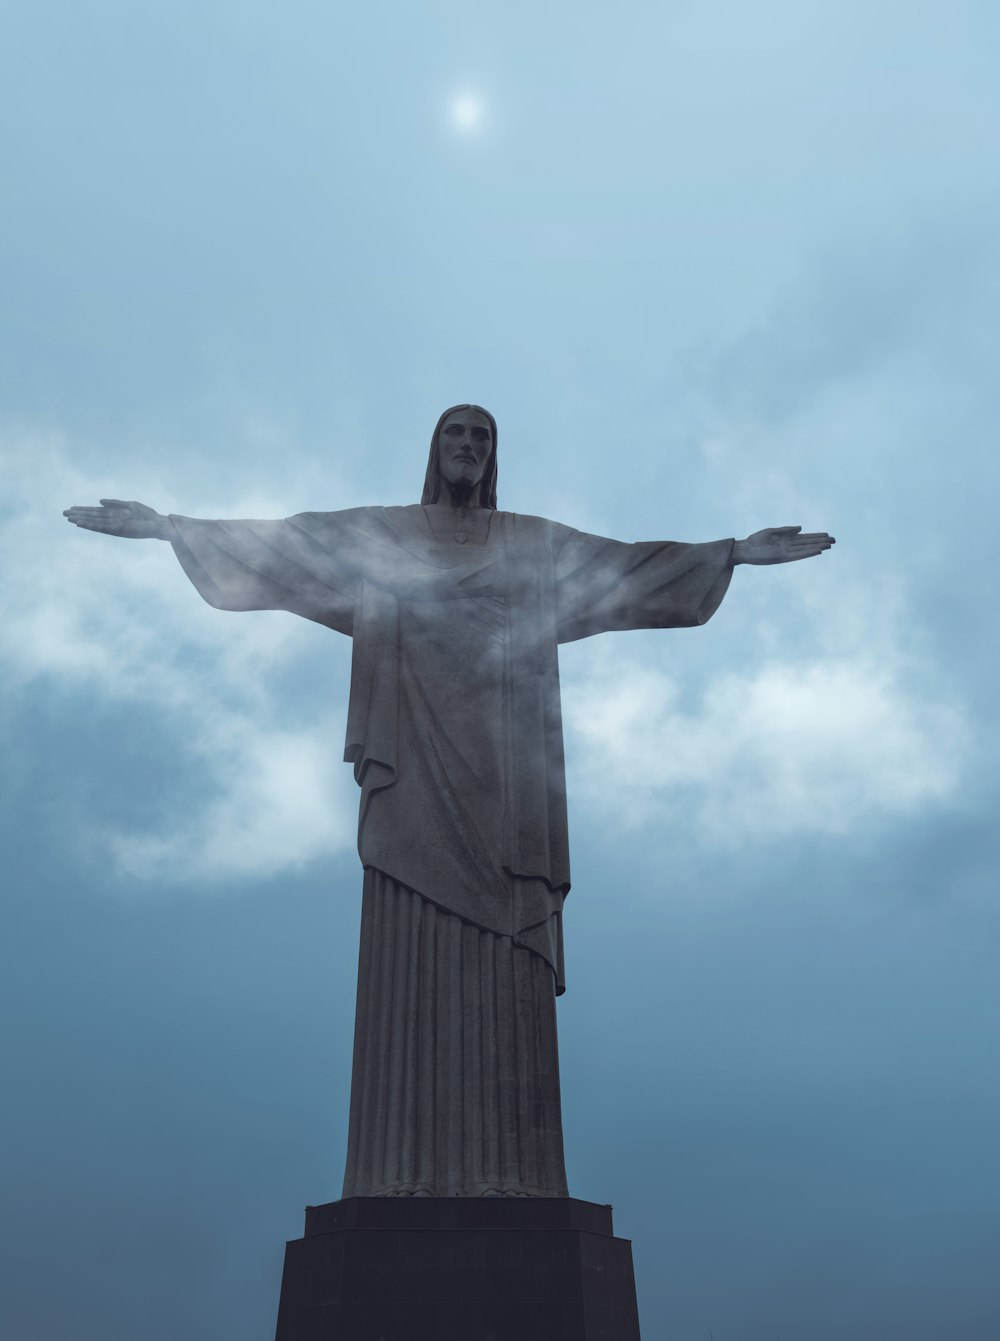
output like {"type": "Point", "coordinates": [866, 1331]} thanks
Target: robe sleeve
{"type": "Point", "coordinates": [602, 585]}
{"type": "Point", "coordinates": [306, 564]}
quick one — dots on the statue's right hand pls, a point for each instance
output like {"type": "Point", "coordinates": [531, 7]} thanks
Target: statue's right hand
{"type": "Point", "coordinates": [133, 520]}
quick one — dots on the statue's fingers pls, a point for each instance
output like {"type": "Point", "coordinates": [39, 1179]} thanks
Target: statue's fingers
{"type": "Point", "coordinates": [114, 503]}
{"type": "Point", "coordinates": [814, 537]}
{"type": "Point", "coordinates": [97, 524]}
{"type": "Point", "coordinates": [807, 552]}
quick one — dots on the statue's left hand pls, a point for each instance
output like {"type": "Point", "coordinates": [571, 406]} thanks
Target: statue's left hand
{"type": "Point", "coordinates": [781, 544]}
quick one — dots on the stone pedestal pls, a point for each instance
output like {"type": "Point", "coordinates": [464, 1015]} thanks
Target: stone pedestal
{"type": "Point", "coordinates": [458, 1269]}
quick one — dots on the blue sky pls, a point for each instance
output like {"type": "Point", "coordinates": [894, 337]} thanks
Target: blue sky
{"type": "Point", "coordinates": [713, 267]}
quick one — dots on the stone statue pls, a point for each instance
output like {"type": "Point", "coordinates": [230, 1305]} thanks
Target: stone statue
{"type": "Point", "coordinates": [456, 611]}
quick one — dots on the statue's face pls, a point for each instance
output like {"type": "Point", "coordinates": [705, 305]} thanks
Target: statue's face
{"type": "Point", "coordinates": [464, 445]}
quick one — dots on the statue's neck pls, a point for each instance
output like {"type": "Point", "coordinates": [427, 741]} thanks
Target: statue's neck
{"type": "Point", "coordinates": [459, 497]}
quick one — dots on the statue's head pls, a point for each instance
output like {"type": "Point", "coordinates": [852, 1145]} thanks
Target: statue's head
{"type": "Point", "coordinates": [464, 448]}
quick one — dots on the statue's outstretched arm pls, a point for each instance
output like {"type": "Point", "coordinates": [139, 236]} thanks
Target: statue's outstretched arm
{"type": "Point", "coordinates": [132, 520]}
{"type": "Point", "coordinates": [781, 544]}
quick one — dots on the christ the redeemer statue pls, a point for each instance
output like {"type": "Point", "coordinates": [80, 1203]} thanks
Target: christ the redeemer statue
{"type": "Point", "coordinates": [454, 730]}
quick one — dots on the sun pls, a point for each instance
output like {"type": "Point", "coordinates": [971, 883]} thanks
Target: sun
{"type": "Point", "coordinates": [467, 113]}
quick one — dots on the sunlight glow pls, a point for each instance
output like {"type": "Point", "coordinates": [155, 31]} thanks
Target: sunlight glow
{"type": "Point", "coordinates": [467, 113]}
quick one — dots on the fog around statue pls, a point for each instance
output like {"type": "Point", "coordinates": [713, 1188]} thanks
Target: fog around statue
{"type": "Point", "coordinates": [456, 611]}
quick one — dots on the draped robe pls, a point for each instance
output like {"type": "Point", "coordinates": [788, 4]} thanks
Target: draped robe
{"type": "Point", "coordinates": [455, 734]}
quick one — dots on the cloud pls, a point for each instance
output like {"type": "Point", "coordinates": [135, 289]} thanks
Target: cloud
{"type": "Point", "coordinates": [262, 787]}
{"type": "Point", "coordinates": [842, 716]}
{"type": "Point", "coordinates": [282, 798]}
{"type": "Point", "coordinates": [790, 748]}
{"type": "Point", "coordinates": [848, 408]}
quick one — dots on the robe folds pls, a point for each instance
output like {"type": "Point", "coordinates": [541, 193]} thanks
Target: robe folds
{"type": "Point", "coordinates": [455, 734]}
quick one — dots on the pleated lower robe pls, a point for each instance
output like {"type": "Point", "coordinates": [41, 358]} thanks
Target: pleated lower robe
{"type": "Point", "coordinates": [455, 1088]}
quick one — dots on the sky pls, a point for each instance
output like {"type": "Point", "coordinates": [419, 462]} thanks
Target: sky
{"type": "Point", "coordinates": [713, 267]}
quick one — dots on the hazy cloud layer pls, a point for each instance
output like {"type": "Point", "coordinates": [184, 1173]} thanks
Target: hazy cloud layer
{"type": "Point", "coordinates": [784, 746]}
{"type": "Point", "coordinates": [857, 403]}
{"type": "Point", "coordinates": [794, 747]}
{"type": "Point", "coordinates": [262, 787]}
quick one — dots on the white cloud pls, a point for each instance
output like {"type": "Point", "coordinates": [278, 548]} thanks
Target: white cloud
{"type": "Point", "coordinates": [282, 798]}
{"type": "Point", "coordinates": [118, 620]}
{"type": "Point", "coordinates": [790, 747]}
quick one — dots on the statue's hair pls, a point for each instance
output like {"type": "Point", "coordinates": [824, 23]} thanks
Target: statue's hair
{"type": "Point", "coordinates": [487, 485]}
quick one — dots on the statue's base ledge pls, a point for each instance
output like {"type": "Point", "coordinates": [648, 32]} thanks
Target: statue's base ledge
{"type": "Point", "coordinates": [458, 1213]}
{"type": "Point", "coordinates": [458, 1269]}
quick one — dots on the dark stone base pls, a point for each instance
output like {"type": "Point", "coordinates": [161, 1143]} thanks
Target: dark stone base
{"type": "Point", "coordinates": [458, 1269]}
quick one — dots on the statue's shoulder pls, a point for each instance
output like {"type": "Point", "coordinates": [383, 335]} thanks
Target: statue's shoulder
{"type": "Point", "coordinates": [339, 519]}
{"type": "Point", "coordinates": [401, 522]}
{"type": "Point", "coordinates": [541, 529]}
{"type": "Point", "coordinates": [404, 512]}
{"type": "Point", "coordinates": [334, 530]}
{"type": "Point", "coordinates": [527, 519]}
